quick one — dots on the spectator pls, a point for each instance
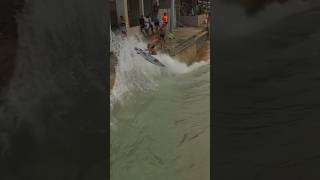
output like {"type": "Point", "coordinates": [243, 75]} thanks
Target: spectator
{"type": "Point", "coordinates": [156, 23]}
{"type": "Point", "coordinates": [162, 34]}
{"type": "Point", "coordinates": [142, 23]}
{"type": "Point", "coordinates": [146, 25]}
{"type": "Point", "coordinates": [150, 24]}
{"type": "Point", "coordinates": [165, 18]}
{"type": "Point", "coordinates": [123, 27]}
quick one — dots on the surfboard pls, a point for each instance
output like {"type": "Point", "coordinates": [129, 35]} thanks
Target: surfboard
{"type": "Point", "coordinates": [148, 57]}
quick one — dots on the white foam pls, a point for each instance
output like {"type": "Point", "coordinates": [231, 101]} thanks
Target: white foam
{"type": "Point", "coordinates": [134, 74]}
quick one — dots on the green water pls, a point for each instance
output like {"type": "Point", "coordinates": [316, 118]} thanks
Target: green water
{"type": "Point", "coordinates": [164, 134]}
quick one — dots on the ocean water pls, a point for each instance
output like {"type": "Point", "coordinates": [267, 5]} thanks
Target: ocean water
{"type": "Point", "coordinates": [160, 118]}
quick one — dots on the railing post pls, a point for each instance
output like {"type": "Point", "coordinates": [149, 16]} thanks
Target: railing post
{"type": "Point", "coordinates": [172, 14]}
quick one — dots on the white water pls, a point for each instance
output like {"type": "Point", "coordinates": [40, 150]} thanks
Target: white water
{"type": "Point", "coordinates": [134, 74]}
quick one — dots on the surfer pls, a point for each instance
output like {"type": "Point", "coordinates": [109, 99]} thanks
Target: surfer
{"type": "Point", "coordinates": [152, 45]}
{"type": "Point", "coordinates": [151, 49]}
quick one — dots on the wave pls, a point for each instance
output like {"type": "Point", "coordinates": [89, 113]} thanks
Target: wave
{"type": "Point", "coordinates": [134, 74]}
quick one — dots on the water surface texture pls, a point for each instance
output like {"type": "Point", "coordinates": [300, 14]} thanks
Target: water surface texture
{"type": "Point", "coordinates": [160, 119]}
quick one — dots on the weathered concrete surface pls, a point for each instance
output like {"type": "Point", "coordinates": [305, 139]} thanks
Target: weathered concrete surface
{"type": "Point", "coordinates": [183, 34]}
{"type": "Point", "coordinates": [187, 42]}
{"type": "Point", "coordinates": [188, 55]}
{"type": "Point", "coordinates": [204, 53]}
{"type": "Point", "coordinates": [193, 20]}
{"type": "Point", "coordinates": [112, 70]}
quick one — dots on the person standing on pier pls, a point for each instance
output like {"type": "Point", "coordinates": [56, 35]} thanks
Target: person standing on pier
{"type": "Point", "coordinates": [123, 27]}
{"type": "Point", "coordinates": [150, 24]}
{"type": "Point", "coordinates": [162, 35]}
{"type": "Point", "coordinates": [156, 23]}
{"type": "Point", "coordinates": [165, 19]}
{"type": "Point", "coordinates": [146, 26]}
{"type": "Point", "coordinates": [142, 24]}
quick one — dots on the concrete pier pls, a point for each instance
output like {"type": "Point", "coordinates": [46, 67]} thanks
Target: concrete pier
{"type": "Point", "coordinates": [122, 10]}
{"type": "Point", "coordinates": [186, 43]}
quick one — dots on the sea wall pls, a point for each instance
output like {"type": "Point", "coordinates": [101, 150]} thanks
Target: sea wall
{"type": "Point", "coordinates": [188, 50]}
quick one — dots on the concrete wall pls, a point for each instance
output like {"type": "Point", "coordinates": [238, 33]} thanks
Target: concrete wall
{"type": "Point", "coordinates": [113, 14]}
{"type": "Point", "coordinates": [193, 20]}
{"type": "Point", "coordinates": [133, 12]}
{"type": "Point", "coordinates": [165, 4]}
{"type": "Point", "coordinates": [147, 7]}
{"type": "Point", "coordinates": [188, 54]}
{"type": "Point", "coordinates": [112, 69]}
{"type": "Point", "coordinates": [201, 40]}
{"type": "Point", "coordinates": [122, 10]}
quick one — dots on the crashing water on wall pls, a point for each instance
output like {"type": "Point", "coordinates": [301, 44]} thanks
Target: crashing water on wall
{"type": "Point", "coordinates": [136, 75]}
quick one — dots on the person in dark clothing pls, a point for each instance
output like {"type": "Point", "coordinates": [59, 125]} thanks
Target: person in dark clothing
{"type": "Point", "coordinates": [150, 24]}
{"type": "Point", "coordinates": [156, 23]}
{"type": "Point", "coordinates": [141, 22]}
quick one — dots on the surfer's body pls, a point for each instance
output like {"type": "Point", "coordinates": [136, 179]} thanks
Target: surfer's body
{"type": "Point", "coordinates": [152, 46]}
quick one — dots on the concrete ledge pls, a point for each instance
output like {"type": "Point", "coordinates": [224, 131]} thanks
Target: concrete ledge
{"type": "Point", "coordinates": [198, 39]}
{"type": "Point", "coordinates": [189, 50]}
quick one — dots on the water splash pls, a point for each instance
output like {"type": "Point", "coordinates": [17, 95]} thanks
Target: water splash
{"type": "Point", "coordinates": [134, 74]}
